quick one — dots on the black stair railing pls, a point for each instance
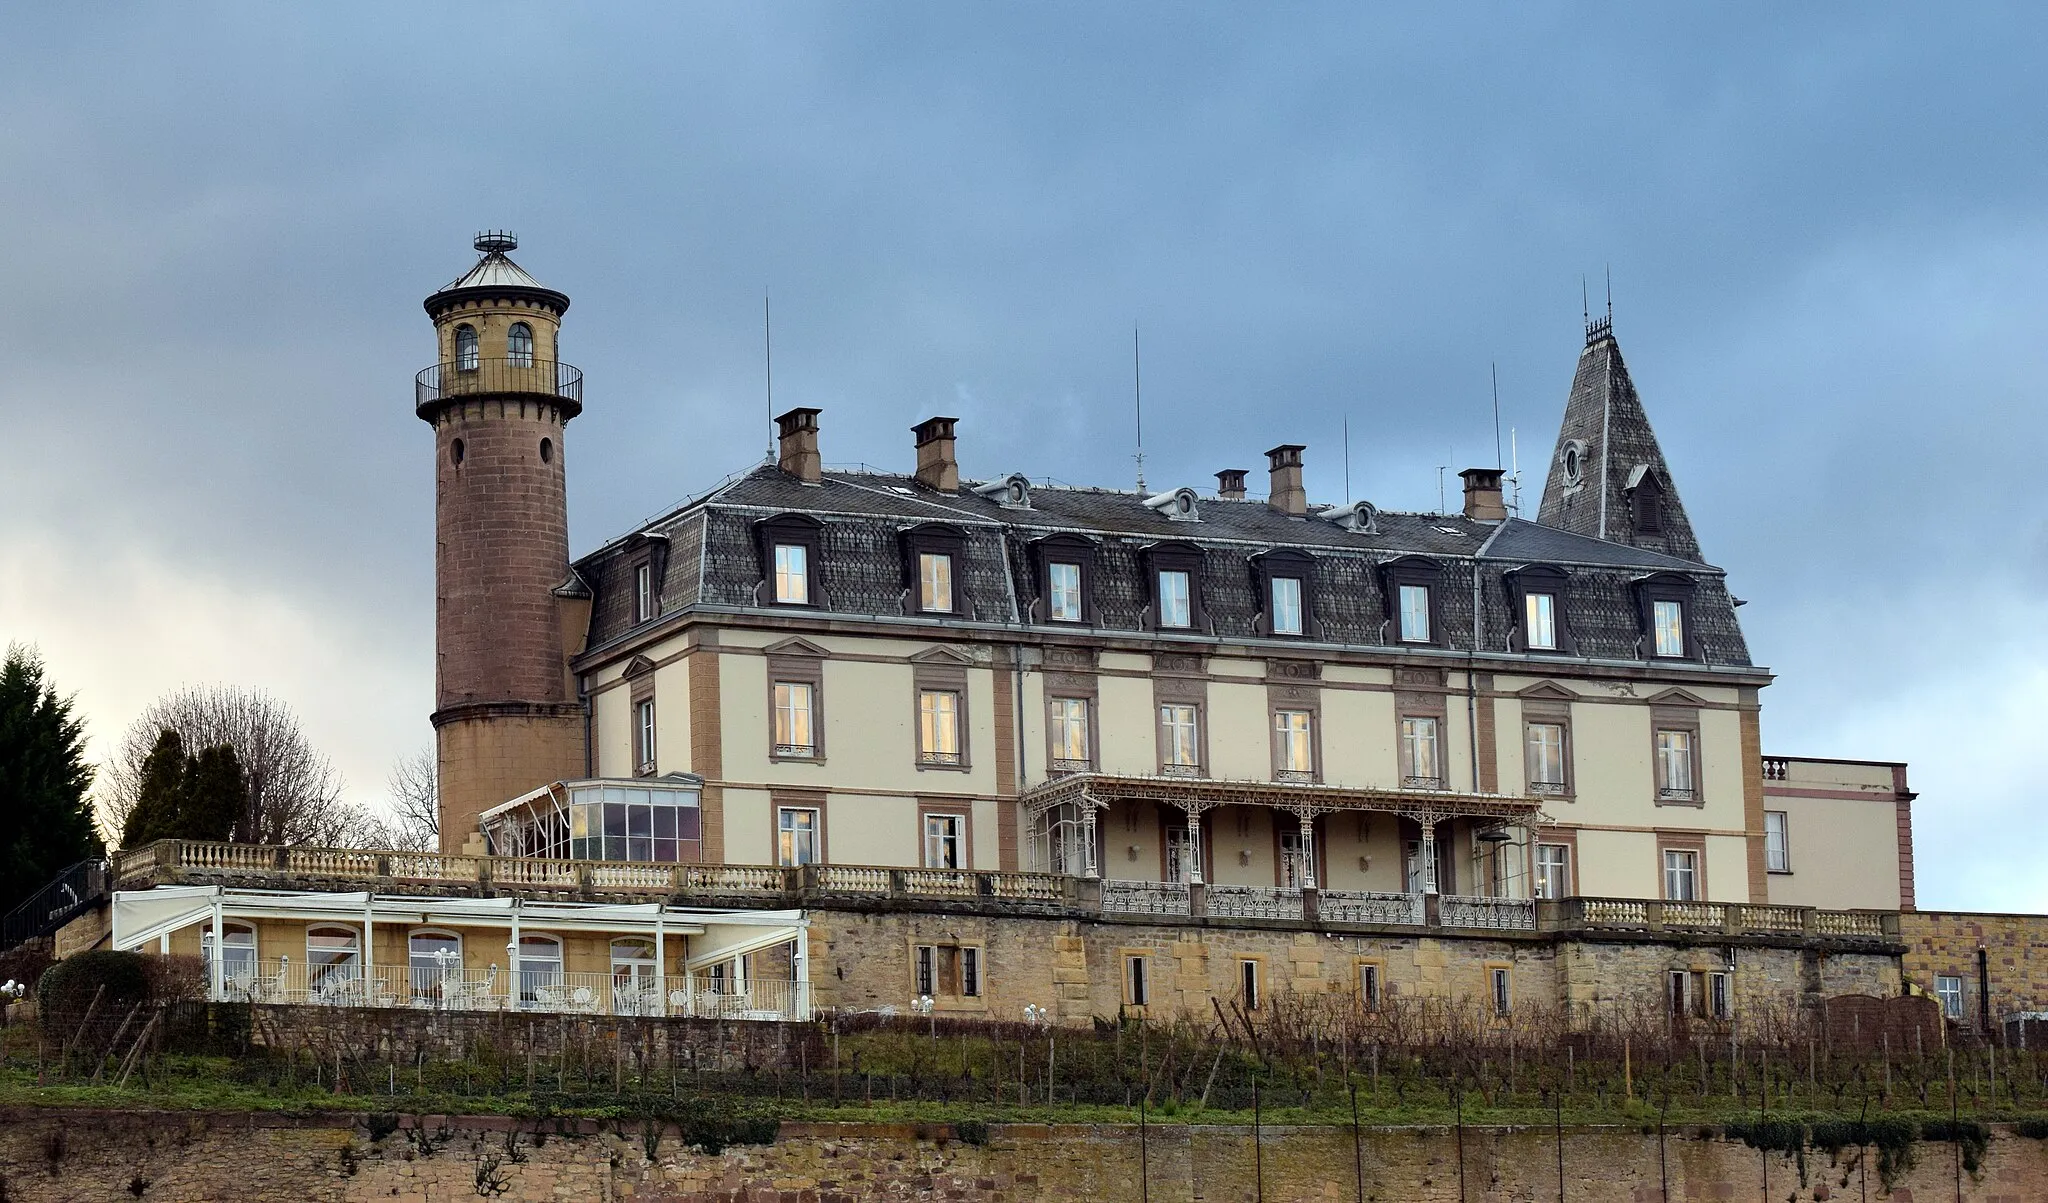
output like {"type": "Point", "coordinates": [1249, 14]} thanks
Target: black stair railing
{"type": "Point", "coordinates": [72, 892]}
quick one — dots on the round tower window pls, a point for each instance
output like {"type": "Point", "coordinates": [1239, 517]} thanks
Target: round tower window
{"type": "Point", "coordinates": [455, 452]}
{"type": "Point", "coordinates": [547, 451]}
{"type": "Point", "coordinates": [1574, 466]}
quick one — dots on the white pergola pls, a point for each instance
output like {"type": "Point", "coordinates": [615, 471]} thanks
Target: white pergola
{"type": "Point", "coordinates": [143, 917]}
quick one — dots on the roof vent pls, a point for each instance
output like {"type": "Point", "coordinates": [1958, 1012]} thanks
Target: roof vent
{"type": "Point", "coordinates": [1012, 492]}
{"type": "Point", "coordinates": [1359, 517]}
{"type": "Point", "coordinates": [1179, 505]}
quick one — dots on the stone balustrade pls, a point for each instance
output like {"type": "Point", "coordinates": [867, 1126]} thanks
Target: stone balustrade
{"type": "Point", "coordinates": [868, 885]}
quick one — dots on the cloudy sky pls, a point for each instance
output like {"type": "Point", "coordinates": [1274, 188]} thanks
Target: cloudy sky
{"type": "Point", "coordinates": [1827, 234]}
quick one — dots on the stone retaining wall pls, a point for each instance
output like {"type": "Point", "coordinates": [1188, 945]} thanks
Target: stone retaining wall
{"type": "Point", "coordinates": [101, 1155]}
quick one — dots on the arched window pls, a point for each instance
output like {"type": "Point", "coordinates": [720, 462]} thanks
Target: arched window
{"type": "Point", "coordinates": [540, 972]}
{"type": "Point", "coordinates": [333, 962]}
{"type": "Point", "coordinates": [635, 991]}
{"type": "Point", "coordinates": [519, 344]}
{"type": "Point", "coordinates": [434, 964]}
{"type": "Point", "coordinates": [238, 954]}
{"type": "Point", "coordinates": [465, 348]}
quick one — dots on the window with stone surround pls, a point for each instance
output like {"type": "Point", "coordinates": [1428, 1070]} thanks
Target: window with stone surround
{"type": "Point", "coordinates": [1137, 980]}
{"type": "Point", "coordinates": [941, 713]}
{"type": "Point", "coordinates": [948, 971]}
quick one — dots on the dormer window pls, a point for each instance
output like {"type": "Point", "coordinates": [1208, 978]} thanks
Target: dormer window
{"type": "Point", "coordinates": [935, 583]}
{"type": "Point", "coordinates": [465, 348]}
{"type": "Point", "coordinates": [1285, 605]}
{"type": "Point", "coordinates": [1646, 500]}
{"type": "Point", "coordinates": [792, 575]}
{"type": "Point", "coordinates": [788, 547]}
{"type": "Point", "coordinates": [1409, 587]}
{"type": "Point", "coordinates": [1065, 592]}
{"type": "Point", "coordinates": [1175, 570]}
{"type": "Point", "coordinates": [1667, 618]}
{"type": "Point", "coordinates": [1414, 613]}
{"type": "Point", "coordinates": [931, 554]}
{"type": "Point", "coordinates": [1065, 568]}
{"type": "Point", "coordinates": [519, 345]}
{"type": "Point", "coordinates": [1538, 599]}
{"type": "Point", "coordinates": [643, 592]}
{"type": "Point", "coordinates": [1174, 607]}
{"type": "Point", "coordinates": [1665, 602]}
{"type": "Point", "coordinates": [1284, 582]}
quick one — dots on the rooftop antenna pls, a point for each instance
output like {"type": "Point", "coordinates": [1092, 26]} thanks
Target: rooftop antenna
{"type": "Point", "coordinates": [1610, 296]}
{"type": "Point", "coordinates": [1347, 459]}
{"type": "Point", "coordinates": [1440, 468]}
{"type": "Point", "coordinates": [1496, 413]}
{"type": "Point", "coordinates": [1138, 398]}
{"type": "Point", "coordinates": [1585, 304]}
{"type": "Point", "coordinates": [768, 356]}
{"type": "Point", "coordinates": [1515, 476]}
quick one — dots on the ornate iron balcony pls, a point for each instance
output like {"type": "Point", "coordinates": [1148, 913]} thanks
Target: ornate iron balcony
{"type": "Point", "coordinates": [513, 376]}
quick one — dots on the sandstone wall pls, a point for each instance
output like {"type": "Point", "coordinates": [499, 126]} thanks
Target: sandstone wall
{"type": "Point", "coordinates": [196, 1158]}
{"type": "Point", "coordinates": [2016, 957]}
{"type": "Point", "coordinates": [1080, 967]}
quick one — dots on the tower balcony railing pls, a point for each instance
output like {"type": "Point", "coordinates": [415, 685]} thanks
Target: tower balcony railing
{"type": "Point", "coordinates": [485, 377]}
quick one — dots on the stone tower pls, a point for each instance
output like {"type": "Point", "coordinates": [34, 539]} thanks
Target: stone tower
{"type": "Point", "coordinates": [508, 610]}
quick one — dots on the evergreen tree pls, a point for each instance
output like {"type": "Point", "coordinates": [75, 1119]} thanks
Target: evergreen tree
{"type": "Point", "coordinates": [161, 800]}
{"type": "Point", "coordinates": [214, 795]}
{"type": "Point", "coordinates": [46, 821]}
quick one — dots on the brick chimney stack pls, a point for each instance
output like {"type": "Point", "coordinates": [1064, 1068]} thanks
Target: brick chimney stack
{"type": "Point", "coordinates": [1230, 484]}
{"type": "Point", "coordinates": [799, 456]}
{"type": "Point", "coordinates": [1482, 495]}
{"type": "Point", "coordinates": [936, 466]}
{"type": "Point", "coordinates": [1287, 494]}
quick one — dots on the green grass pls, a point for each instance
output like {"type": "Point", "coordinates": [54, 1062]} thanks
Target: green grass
{"type": "Point", "coordinates": [191, 1083]}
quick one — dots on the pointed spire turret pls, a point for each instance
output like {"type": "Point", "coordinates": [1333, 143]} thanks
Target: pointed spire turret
{"type": "Point", "coordinates": [1607, 477]}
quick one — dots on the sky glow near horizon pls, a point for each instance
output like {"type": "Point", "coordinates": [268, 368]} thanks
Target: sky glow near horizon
{"type": "Point", "coordinates": [1826, 237]}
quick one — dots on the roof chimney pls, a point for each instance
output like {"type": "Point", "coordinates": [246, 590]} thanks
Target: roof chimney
{"type": "Point", "coordinates": [799, 455]}
{"type": "Point", "coordinates": [1230, 484]}
{"type": "Point", "coordinates": [1482, 495]}
{"type": "Point", "coordinates": [1287, 494]}
{"type": "Point", "coordinates": [936, 466]}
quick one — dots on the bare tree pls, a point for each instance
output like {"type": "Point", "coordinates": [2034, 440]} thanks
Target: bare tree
{"type": "Point", "coordinates": [414, 786]}
{"type": "Point", "coordinates": [294, 794]}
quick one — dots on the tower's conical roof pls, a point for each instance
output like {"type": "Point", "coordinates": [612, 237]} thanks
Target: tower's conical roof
{"type": "Point", "coordinates": [1607, 456]}
{"type": "Point", "coordinates": [496, 275]}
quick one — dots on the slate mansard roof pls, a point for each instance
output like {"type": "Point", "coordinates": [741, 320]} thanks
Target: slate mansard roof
{"type": "Point", "coordinates": [705, 558]}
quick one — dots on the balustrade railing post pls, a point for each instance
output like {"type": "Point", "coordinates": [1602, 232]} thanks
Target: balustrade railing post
{"type": "Point", "coordinates": [1734, 918]}
{"type": "Point", "coordinates": [1653, 915]}
{"type": "Point", "coordinates": [897, 886]}
{"type": "Point", "coordinates": [1809, 920]}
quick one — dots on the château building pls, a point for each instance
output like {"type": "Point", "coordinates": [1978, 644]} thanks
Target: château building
{"type": "Point", "coordinates": [850, 738]}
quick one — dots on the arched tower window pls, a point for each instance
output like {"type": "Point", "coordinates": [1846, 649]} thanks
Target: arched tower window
{"type": "Point", "coordinates": [519, 344]}
{"type": "Point", "coordinates": [465, 348]}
